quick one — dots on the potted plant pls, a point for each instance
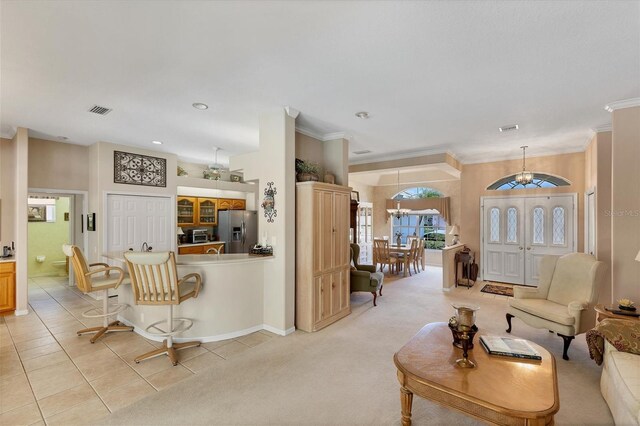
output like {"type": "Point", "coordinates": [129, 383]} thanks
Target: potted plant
{"type": "Point", "coordinates": [307, 171]}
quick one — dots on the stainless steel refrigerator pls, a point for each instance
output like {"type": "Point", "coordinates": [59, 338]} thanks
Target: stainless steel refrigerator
{"type": "Point", "coordinates": [238, 229]}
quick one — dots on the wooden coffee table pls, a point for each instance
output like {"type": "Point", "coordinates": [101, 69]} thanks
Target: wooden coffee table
{"type": "Point", "coordinates": [500, 390]}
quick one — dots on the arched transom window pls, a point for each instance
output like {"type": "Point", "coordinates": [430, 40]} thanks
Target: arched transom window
{"type": "Point", "coordinates": [412, 193]}
{"type": "Point", "coordinates": [540, 180]}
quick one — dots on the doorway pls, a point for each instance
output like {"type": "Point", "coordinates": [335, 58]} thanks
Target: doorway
{"type": "Point", "coordinates": [55, 218]}
{"type": "Point", "coordinates": [516, 232]}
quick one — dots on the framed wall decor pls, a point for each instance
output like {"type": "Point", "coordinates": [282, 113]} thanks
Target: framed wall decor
{"type": "Point", "coordinates": [137, 169]}
{"type": "Point", "coordinates": [37, 213]}
{"type": "Point", "coordinates": [355, 196]}
{"type": "Point", "coordinates": [269, 202]}
{"type": "Point", "coordinates": [91, 222]}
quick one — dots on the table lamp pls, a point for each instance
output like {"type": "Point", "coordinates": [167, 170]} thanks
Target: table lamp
{"type": "Point", "coordinates": [455, 232]}
{"type": "Point", "coordinates": [180, 233]}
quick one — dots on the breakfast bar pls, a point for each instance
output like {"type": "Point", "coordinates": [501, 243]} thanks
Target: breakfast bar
{"type": "Point", "coordinates": [230, 304]}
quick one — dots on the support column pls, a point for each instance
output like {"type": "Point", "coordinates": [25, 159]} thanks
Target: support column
{"type": "Point", "coordinates": [625, 203]}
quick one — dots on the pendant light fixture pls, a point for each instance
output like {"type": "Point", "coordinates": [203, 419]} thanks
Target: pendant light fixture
{"type": "Point", "coordinates": [524, 177]}
{"type": "Point", "coordinates": [213, 173]}
{"type": "Point", "coordinates": [398, 212]}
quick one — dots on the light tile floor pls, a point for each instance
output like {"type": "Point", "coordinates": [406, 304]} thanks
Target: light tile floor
{"type": "Point", "coordinates": [49, 375]}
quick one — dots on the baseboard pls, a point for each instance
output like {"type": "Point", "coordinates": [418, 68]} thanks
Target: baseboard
{"type": "Point", "coordinates": [142, 332]}
{"type": "Point", "coordinates": [278, 330]}
{"type": "Point", "coordinates": [21, 312]}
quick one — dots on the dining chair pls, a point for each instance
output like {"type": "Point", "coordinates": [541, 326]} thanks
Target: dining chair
{"type": "Point", "coordinates": [383, 256]}
{"type": "Point", "coordinates": [413, 256]}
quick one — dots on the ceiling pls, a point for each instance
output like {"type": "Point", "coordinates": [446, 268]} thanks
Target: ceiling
{"type": "Point", "coordinates": [434, 76]}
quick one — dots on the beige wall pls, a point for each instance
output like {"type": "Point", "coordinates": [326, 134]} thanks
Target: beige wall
{"type": "Point", "coordinates": [364, 191]}
{"type": "Point", "coordinates": [57, 165]}
{"type": "Point", "coordinates": [477, 177]}
{"type": "Point", "coordinates": [625, 204]}
{"type": "Point", "coordinates": [598, 178]}
{"type": "Point", "coordinates": [8, 170]}
{"type": "Point", "coordinates": [21, 182]}
{"type": "Point", "coordinates": [331, 156]}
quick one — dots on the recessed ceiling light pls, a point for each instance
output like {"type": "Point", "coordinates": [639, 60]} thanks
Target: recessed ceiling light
{"type": "Point", "coordinates": [508, 128]}
{"type": "Point", "coordinates": [156, 142]}
{"type": "Point", "coordinates": [200, 106]}
{"type": "Point", "coordinates": [63, 138]}
{"type": "Point", "coordinates": [362, 114]}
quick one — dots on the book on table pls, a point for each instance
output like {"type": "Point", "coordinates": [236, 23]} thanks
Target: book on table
{"type": "Point", "coordinates": [509, 346]}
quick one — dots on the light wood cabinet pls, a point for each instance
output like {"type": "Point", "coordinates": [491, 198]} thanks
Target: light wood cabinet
{"type": "Point", "coordinates": [207, 211]}
{"type": "Point", "coordinates": [200, 249]}
{"type": "Point", "coordinates": [194, 211]}
{"type": "Point", "coordinates": [322, 272]}
{"type": "Point", "coordinates": [7, 286]}
{"type": "Point", "coordinates": [231, 204]}
{"type": "Point", "coordinates": [187, 211]}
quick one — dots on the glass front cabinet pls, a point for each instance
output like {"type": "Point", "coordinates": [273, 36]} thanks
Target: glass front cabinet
{"type": "Point", "coordinates": [187, 211]}
{"type": "Point", "coordinates": [207, 211]}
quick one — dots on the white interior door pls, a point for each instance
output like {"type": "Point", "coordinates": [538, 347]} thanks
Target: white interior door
{"type": "Point", "coordinates": [518, 231]}
{"type": "Point", "coordinates": [133, 220]}
{"type": "Point", "coordinates": [503, 240]}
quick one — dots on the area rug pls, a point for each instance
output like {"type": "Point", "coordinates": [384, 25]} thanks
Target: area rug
{"type": "Point", "coordinates": [500, 289]}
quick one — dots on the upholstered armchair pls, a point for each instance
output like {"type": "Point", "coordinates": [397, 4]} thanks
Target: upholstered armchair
{"type": "Point", "coordinates": [564, 299]}
{"type": "Point", "coordinates": [364, 277]}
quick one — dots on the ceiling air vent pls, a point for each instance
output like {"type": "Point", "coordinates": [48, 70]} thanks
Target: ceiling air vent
{"type": "Point", "coordinates": [509, 128]}
{"type": "Point", "coordinates": [366, 151]}
{"type": "Point", "coordinates": [100, 110]}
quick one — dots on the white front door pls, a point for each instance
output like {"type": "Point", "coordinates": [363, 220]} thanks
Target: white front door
{"type": "Point", "coordinates": [519, 231]}
{"type": "Point", "coordinates": [133, 220]}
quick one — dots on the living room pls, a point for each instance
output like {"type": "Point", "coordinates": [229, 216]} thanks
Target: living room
{"type": "Point", "coordinates": [395, 96]}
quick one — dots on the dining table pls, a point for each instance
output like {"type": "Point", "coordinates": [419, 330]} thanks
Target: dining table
{"type": "Point", "coordinates": [405, 249]}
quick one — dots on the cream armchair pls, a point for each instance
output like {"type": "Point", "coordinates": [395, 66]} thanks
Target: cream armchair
{"type": "Point", "coordinates": [564, 299]}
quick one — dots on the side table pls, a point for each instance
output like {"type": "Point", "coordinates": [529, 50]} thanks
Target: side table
{"type": "Point", "coordinates": [602, 313]}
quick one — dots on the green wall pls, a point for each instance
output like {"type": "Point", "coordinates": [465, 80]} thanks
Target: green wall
{"type": "Point", "coordinates": [47, 238]}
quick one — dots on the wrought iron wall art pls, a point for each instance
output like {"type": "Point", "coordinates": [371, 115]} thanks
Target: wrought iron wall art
{"type": "Point", "coordinates": [136, 169]}
{"type": "Point", "coordinates": [269, 202]}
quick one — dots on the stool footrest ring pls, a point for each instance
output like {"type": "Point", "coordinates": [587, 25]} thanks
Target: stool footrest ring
{"type": "Point", "coordinates": [119, 307]}
{"type": "Point", "coordinates": [179, 325]}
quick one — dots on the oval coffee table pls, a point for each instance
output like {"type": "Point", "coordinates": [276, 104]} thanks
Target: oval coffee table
{"type": "Point", "coordinates": [500, 390]}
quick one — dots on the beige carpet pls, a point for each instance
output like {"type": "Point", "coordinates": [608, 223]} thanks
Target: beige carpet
{"type": "Point", "coordinates": [345, 373]}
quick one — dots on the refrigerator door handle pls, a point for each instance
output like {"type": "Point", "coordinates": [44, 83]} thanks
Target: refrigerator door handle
{"type": "Point", "coordinates": [244, 232]}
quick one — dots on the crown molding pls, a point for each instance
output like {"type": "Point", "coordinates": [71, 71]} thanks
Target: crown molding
{"type": "Point", "coordinates": [322, 137]}
{"type": "Point", "coordinates": [625, 103]}
{"type": "Point", "coordinates": [400, 156]}
{"type": "Point", "coordinates": [603, 128]}
{"type": "Point", "coordinates": [548, 153]}
{"type": "Point", "coordinates": [292, 112]}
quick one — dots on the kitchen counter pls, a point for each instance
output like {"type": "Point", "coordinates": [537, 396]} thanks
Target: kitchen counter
{"type": "Point", "coordinates": [7, 259]}
{"type": "Point", "coordinates": [230, 304]}
{"type": "Point", "coordinates": [201, 244]}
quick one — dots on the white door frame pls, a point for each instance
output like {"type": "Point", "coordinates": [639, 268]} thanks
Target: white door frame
{"type": "Point", "coordinates": [85, 209]}
{"type": "Point", "coordinates": [172, 218]}
{"type": "Point", "coordinates": [588, 218]}
{"type": "Point", "coordinates": [574, 195]}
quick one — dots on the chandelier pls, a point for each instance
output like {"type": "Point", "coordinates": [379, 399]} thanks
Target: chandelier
{"type": "Point", "coordinates": [524, 177]}
{"type": "Point", "coordinates": [398, 212]}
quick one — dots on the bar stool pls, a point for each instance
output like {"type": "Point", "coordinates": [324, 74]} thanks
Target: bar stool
{"type": "Point", "coordinates": [154, 280]}
{"type": "Point", "coordinates": [100, 279]}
